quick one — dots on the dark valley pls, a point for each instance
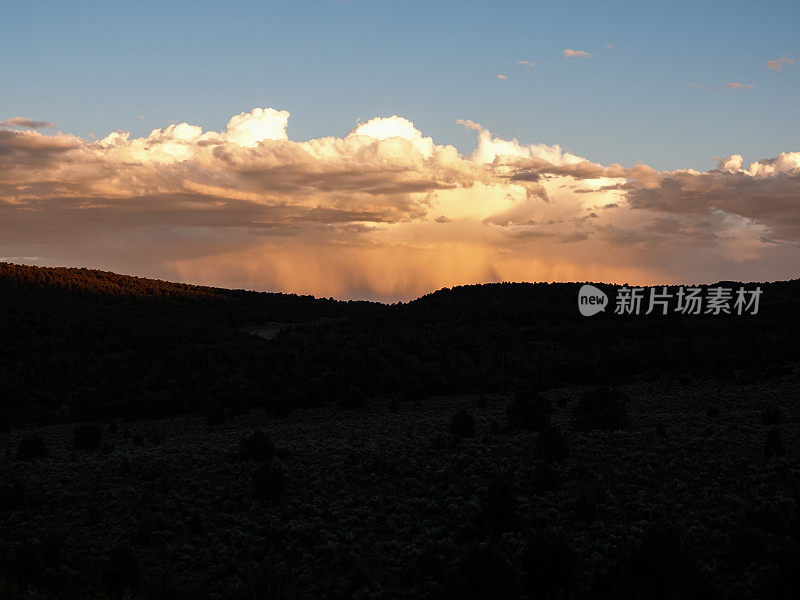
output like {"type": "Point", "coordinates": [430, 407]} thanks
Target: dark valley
{"type": "Point", "coordinates": [164, 440]}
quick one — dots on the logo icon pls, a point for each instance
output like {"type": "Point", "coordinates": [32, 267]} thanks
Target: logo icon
{"type": "Point", "coordinates": [591, 300]}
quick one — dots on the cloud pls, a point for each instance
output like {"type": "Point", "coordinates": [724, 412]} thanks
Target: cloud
{"type": "Point", "coordinates": [364, 214]}
{"type": "Point", "coordinates": [469, 124]}
{"type": "Point", "coordinates": [737, 86]}
{"type": "Point", "coordinates": [27, 123]}
{"type": "Point", "coordinates": [766, 192]}
{"type": "Point", "coordinates": [526, 63]}
{"type": "Point", "coordinates": [576, 54]}
{"type": "Point", "coordinates": [501, 76]}
{"type": "Point", "coordinates": [777, 65]}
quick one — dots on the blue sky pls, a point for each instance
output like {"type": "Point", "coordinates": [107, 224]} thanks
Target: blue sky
{"type": "Point", "coordinates": [95, 67]}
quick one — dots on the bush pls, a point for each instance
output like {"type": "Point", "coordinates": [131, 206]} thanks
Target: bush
{"type": "Point", "coordinates": [462, 425]}
{"type": "Point", "coordinates": [772, 415]}
{"type": "Point", "coordinates": [546, 478]}
{"type": "Point", "coordinates": [659, 567]}
{"type": "Point", "coordinates": [602, 408]}
{"type": "Point", "coordinates": [31, 447]}
{"type": "Point", "coordinates": [587, 503]}
{"type": "Point", "coordinates": [551, 445]}
{"type": "Point", "coordinates": [123, 569]}
{"type": "Point", "coordinates": [550, 563]}
{"type": "Point", "coordinates": [267, 582]}
{"type": "Point", "coordinates": [88, 436]}
{"type": "Point", "coordinates": [500, 507]}
{"type": "Point", "coordinates": [256, 446]}
{"type": "Point", "coordinates": [215, 415]}
{"type": "Point", "coordinates": [482, 573]}
{"type": "Point", "coordinates": [529, 410]}
{"type": "Point", "coordinates": [351, 399]}
{"type": "Point", "coordinates": [773, 444]}
{"type": "Point", "coordinates": [269, 481]}
{"type": "Point", "coordinates": [14, 494]}
{"type": "Point", "coordinates": [413, 392]}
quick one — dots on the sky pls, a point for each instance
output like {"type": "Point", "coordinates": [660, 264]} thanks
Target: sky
{"type": "Point", "coordinates": [370, 149]}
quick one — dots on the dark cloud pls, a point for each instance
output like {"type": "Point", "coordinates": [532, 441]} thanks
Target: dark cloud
{"type": "Point", "coordinates": [26, 123]}
{"type": "Point", "coordinates": [772, 200]}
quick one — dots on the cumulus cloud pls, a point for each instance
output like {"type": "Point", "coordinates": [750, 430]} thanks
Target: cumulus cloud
{"type": "Point", "coordinates": [766, 192]}
{"type": "Point", "coordinates": [364, 215]}
{"type": "Point", "coordinates": [25, 123]}
{"type": "Point", "coordinates": [526, 63]}
{"type": "Point", "coordinates": [737, 85]}
{"type": "Point", "coordinates": [501, 76]}
{"type": "Point", "coordinates": [777, 65]}
{"type": "Point", "coordinates": [576, 54]}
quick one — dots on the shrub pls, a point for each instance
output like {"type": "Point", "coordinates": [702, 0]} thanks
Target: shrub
{"type": "Point", "coordinates": [88, 436]}
{"type": "Point", "coordinates": [500, 507]}
{"type": "Point", "coordinates": [551, 445]}
{"type": "Point", "coordinates": [429, 562]}
{"type": "Point", "coordinates": [482, 573]}
{"type": "Point", "coordinates": [546, 478]}
{"type": "Point", "coordinates": [773, 444]}
{"type": "Point", "coordinates": [602, 408]}
{"type": "Point", "coordinates": [256, 446]}
{"type": "Point", "coordinates": [268, 582]}
{"type": "Point", "coordinates": [587, 503]}
{"type": "Point", "coordinates": [123, 569]}
{"type": "Point", "coordinates": [659, 567]}
{"type": "Point", "coordinates": [155, 436]}
{"type": "Point", "coordinates": [31, 447]}
{"type": "Point", "coordinates": [529, 410]}
{"type": "Point", "coordinates": [269, 481]}
{"type": "Point", "coordinates": [772, 415]}
{"type": "Point", "coordinates": [14, 494]}
{"type": "Point", "coordinates": [462, 425]}
{"type": "Point", "coordinates": [550, 563]}
{"type": "Point", "coordinates": [215, 415]}
{"type": "Point", "coordinates": [351, 399]}
{"type": "Point", "coordinates": [413, 392]}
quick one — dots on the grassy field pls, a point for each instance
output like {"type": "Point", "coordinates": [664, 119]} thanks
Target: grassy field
{"type": "Point", "coordinates": [688, 500]}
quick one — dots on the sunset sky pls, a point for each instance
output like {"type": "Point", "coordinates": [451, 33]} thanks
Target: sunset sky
{"type": "Point", "coordinates": [382, 150]}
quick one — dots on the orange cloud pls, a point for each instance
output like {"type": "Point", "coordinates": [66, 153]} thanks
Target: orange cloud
{"type": "Point", "coordinates": [384, 211]}
{"type": "Point", "coordinates": [576, 54]}
{"type": "Point", "coordinates": [777, 65]}
{"type": "Point", "coordinates": [25, 122]}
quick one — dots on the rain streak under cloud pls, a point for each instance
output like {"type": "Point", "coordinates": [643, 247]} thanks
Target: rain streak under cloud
{"type": "Point", "coordinates": [383, 212]}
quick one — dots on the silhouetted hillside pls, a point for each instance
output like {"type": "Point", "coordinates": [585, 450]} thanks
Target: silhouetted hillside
{"type": "Point", "coordinates": [80, 344]}
{"type": "Point", "coordinates": [565, 457]}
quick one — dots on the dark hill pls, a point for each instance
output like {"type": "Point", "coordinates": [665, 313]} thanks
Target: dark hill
{"type": "Point", "coordinates": [78, 344]}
